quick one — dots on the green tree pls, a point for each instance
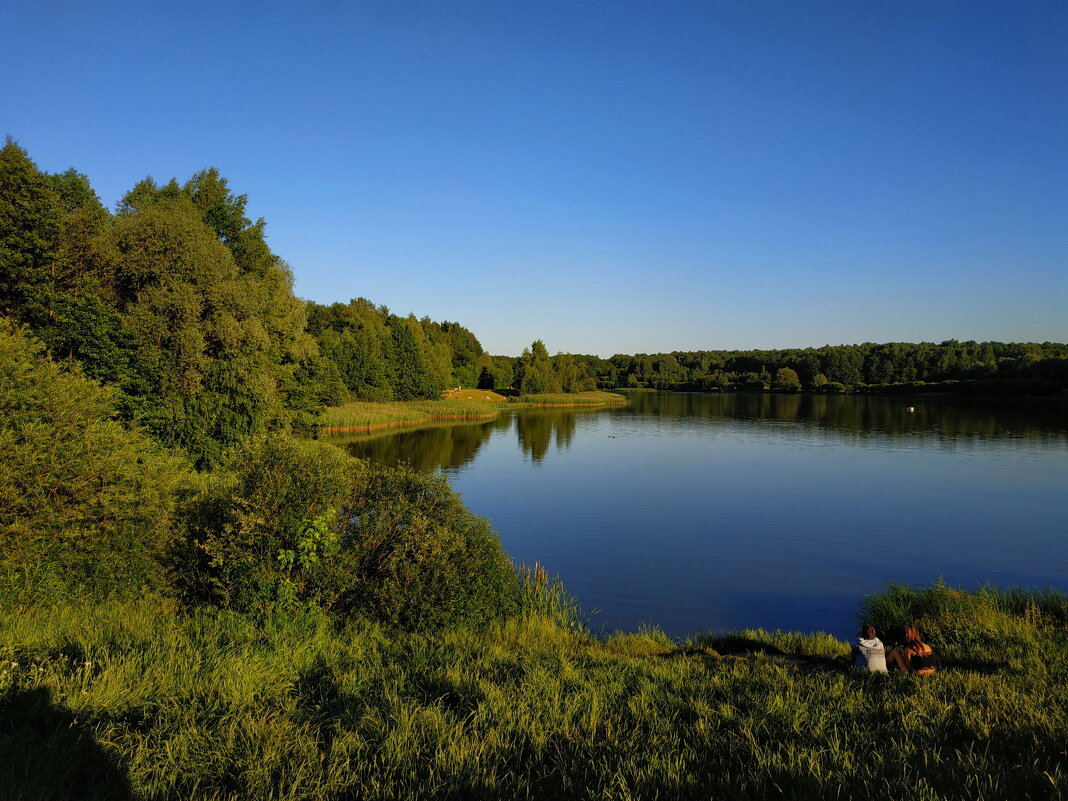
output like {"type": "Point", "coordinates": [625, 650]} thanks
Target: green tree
{"type": "Point", "coordinates": [31, 222]}
{"type": "Point", "coordinates": [411, 375]}
{"type": "Point", "coordinates": [787, 380]}
{"type": "Point", "coordinates": [534, 372]}
{"type": "Point", "coordinates": [566, 372]}
{"type": "Point", "coordinates": [217, 331]}
{"type": "Point", "coordinates": [87, 505]}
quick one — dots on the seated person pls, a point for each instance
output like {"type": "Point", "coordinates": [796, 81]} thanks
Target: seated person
{"type": "Point", "coordinates": [914, 656]}
{"type": "Point", "coordinates": [868, 651]}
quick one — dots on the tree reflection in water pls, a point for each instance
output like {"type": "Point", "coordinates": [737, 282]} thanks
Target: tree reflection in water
{"type": "Point", "coordinates": [536, 430]}
{"type": "Point", "coordinates": [945, 420]}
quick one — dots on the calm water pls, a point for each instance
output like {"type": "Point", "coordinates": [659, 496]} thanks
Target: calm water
{"type": "Point", "coordinates": [704, 512]}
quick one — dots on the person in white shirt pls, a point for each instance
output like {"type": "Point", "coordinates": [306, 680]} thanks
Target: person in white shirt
{"type": "Point", "coordinates": [868, 651]}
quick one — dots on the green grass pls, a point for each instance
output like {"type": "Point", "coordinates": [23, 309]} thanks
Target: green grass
{"type": "Point", "coordinates": [361, 416]}
{"type": "Point", "coordinates": [592, 398]}
{"type": "Point", "coordinates": [141, 701]}
{"type": "Point", "coordinates": [365, 416]}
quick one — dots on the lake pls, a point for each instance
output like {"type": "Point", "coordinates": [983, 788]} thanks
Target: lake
{"type": "Point", "coordinates": [697, 512]}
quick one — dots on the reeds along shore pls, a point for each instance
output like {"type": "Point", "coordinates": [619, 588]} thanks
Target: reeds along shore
{"type": "Point", "coordinates": [367, 416]}
{"type": "Point", "coordinates": [362, 416]}
{"type": "Point", "coordinates": [136, 701]}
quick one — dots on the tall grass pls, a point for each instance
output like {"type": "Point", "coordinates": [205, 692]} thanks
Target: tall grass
{"type": "Point", "coordinates": [546, 597]}
{"type": "Point", "coordinates": [111, 702]}
{"type": "Point", "coordinates": [364, 416]}
{"type": "Point", "coordinates": [591, 398]}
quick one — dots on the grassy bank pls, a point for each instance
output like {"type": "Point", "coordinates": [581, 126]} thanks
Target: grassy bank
{"type": "Point", "coordinates": [592, 398]}
{"type": "Point", "coordinates": [134, 700]}
{"type": "Point", "coordinates": [363, 416]}
{"type": "Point", "coordinates": [468, 404]}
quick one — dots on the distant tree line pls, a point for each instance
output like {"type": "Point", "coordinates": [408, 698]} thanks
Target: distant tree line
{"type": "Point", "coordinates": [376, 355]}
{"type": "Point", "coordinates": [998, 367]}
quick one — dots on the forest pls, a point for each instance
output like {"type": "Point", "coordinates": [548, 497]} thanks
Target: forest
{"type": "Point", "coordinates": [994, 368]}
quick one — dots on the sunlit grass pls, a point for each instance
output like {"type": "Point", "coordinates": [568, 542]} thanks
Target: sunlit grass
{"type": "Point", "coordinates": [214, 706]}
{"type": "Point", "coordinates": [592, 398]}
{"type": "Point", "coordinates": [365, 416]}
{"type": "Point", "coordinates": [468, 404]}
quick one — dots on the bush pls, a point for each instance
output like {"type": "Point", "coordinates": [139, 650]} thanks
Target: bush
{"type": "Point", "coordinates": [266, 533]}
{"type": "Point", "coordinates": [87, 505]}
{"type": "Point", "coordinates": [421, 560]}
{"type": "Point", "coordinates": [291, 524]}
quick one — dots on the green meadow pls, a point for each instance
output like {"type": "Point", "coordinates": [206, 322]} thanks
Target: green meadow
{"type": "Point", "coordinates": [134, 700]}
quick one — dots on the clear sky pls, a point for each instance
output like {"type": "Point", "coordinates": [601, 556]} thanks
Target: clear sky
{"type": "Point", "coordinates": [610, 177]}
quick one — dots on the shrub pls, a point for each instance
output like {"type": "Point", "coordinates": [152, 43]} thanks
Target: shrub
{"type": "Point", "coordinates": [420, 559]}
{"type": "Point", "coordinates": [294, 523]}
{"type": "Point", "coordinates": [266, 533]}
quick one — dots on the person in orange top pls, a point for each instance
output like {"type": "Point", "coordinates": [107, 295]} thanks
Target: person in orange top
{"type": "Point", "coordinates": [914, 656]}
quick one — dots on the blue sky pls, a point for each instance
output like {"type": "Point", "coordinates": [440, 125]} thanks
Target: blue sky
{"type": "Point", "coordinates": [610, 177]}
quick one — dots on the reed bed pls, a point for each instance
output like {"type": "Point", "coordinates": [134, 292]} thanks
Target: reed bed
{"type": "Point", "coordinates": [366, 416]}
{"type": "Point", "coordinates": [592, 398]}
{"type": "Point", "coordinates": [134, 701]}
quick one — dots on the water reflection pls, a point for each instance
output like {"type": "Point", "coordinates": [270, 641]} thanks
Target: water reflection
{"type": "Point", "coordinates": [947, 419]}
{"type": "Point", "coordinates": [447, 446]}
{"type": "Point", "coordinates": [537, 429]}
{"type": "Point", "coordinates": [451, 446]}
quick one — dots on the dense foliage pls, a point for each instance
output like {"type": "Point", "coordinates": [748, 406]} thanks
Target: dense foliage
{"type": "Point", "coordinates": [87, 505]}
{"type": "Point", "coordinates": [172, 318]}
{"type": "Point", "coordinates": [536, 373]}
{"type": "Point", "coordinates": [289, 524]}
{"type": "Point", "coordinates": [265, 536]}
{"type": "Point", "coordinates": [175, 300]}
{"type": "Point", "coordinates": [420, 560]}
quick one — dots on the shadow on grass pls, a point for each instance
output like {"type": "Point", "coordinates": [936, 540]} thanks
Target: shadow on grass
{"type": "Point", "coordinates": [729, 647]}
{"type": "Point", "coordinates": [46, 754]}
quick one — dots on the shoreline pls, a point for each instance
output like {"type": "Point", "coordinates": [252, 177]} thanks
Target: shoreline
{"type": "Point", "coordinates": [359, 416]}
{"type": "Point", "coordinates": [404, 423]}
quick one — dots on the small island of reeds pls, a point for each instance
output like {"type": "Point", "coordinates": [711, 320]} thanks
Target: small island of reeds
{"type": "Point", "coordinates": [455, 405]}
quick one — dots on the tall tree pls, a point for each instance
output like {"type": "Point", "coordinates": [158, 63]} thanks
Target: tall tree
{"type": "Point", "coordinates": [31, 221]}
{"type": "Point", "coordinates": [566, 372]}
{"type": "Point", "coordinates": [534, 372]}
